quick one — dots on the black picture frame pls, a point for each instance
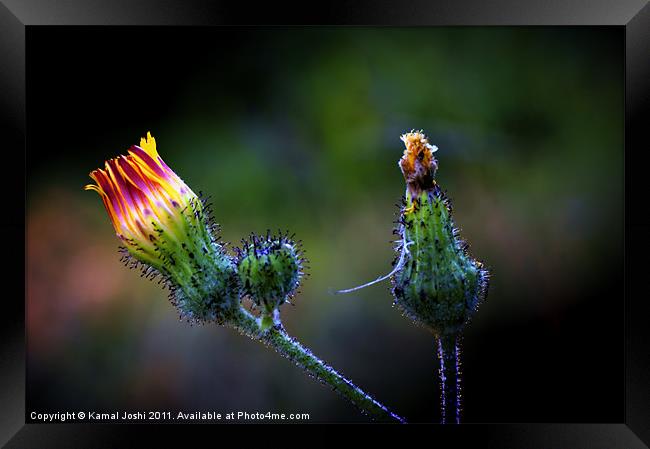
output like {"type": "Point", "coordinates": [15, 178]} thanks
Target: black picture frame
{"type": "Point", "coordinates": [633, 15]}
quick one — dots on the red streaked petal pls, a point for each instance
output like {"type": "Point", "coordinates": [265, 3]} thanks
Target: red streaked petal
{"type": "Point", "coordinates": [136, 177]}
{"type": "Point", "coordinates": [106, 185]}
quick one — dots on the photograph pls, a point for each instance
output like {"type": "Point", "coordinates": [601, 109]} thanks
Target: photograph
{"type": "Point", "coordinates": [426, 219]}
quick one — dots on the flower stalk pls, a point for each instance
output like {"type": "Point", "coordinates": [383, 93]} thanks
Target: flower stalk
{"type": "Point", "coordinates": [449, 376]}
{"type": "Point", "coordinates": [276, 337]}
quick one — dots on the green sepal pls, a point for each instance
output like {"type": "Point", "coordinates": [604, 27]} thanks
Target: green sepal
{"type": "Point", "coordinates": [189, 258]}
{"type": "Point", "coordinates": [270, 270]}
{"type": "Point", "coordinates": [438, 285]}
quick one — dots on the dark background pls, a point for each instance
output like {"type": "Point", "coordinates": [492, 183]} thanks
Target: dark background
{"type": "Point", "coordinates": [298, 128]}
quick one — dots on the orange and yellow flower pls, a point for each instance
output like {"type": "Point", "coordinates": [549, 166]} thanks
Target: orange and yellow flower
{"type": "Point", "coordinates": [142, 195]}
{"type": "Point", "coordinates": [418, 157]}
{"type": "Point", "coordinates": [164, 225]}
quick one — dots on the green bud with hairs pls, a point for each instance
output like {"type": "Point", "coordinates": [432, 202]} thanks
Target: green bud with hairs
{"type": "Point", "coordinates": [270, 269]}
{"type": "Point", "coordinates": [436, 282]}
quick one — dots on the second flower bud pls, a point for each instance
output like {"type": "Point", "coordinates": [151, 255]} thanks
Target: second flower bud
{"type": "Point", "coordinates": [270, 269]}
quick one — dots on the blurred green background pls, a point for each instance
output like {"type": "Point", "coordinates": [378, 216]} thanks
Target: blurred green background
{"type": "Point", "coordinates": [298, 129]}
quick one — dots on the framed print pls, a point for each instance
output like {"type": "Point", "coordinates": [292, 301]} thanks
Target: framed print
{"type": "Point", "coordinates": [382, 214]}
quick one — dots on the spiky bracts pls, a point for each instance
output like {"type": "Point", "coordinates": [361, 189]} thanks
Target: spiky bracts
{"type": "Point", "coordinates": [168, 229]}
{"type": "Point", "coordinates": [270, 269]}
{"type": "Point", "coordinates": [436, 283]}
{"type": "Point", "coordinates": [207, 288]}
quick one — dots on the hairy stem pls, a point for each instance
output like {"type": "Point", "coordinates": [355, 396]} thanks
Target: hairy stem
{"type": "Point", "coordinates": [449, 374]}
{"type": "Point", "coordinates": [277, 338]}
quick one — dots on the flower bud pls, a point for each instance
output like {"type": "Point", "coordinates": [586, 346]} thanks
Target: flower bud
{"type": "Point", "coordinates": [270, 269]}
{"type": "Point", "coordinates": [436, 282]}
{"type": "Point", "coordinates": [166, 230]}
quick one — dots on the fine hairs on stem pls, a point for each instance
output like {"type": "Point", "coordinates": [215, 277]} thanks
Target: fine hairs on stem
{"type": "Point", "coordinates": [270, 270]}
{"type": "Point", "coordinates": [450, 378]}
{"type": "Point", "coordinates": [277, 339]}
